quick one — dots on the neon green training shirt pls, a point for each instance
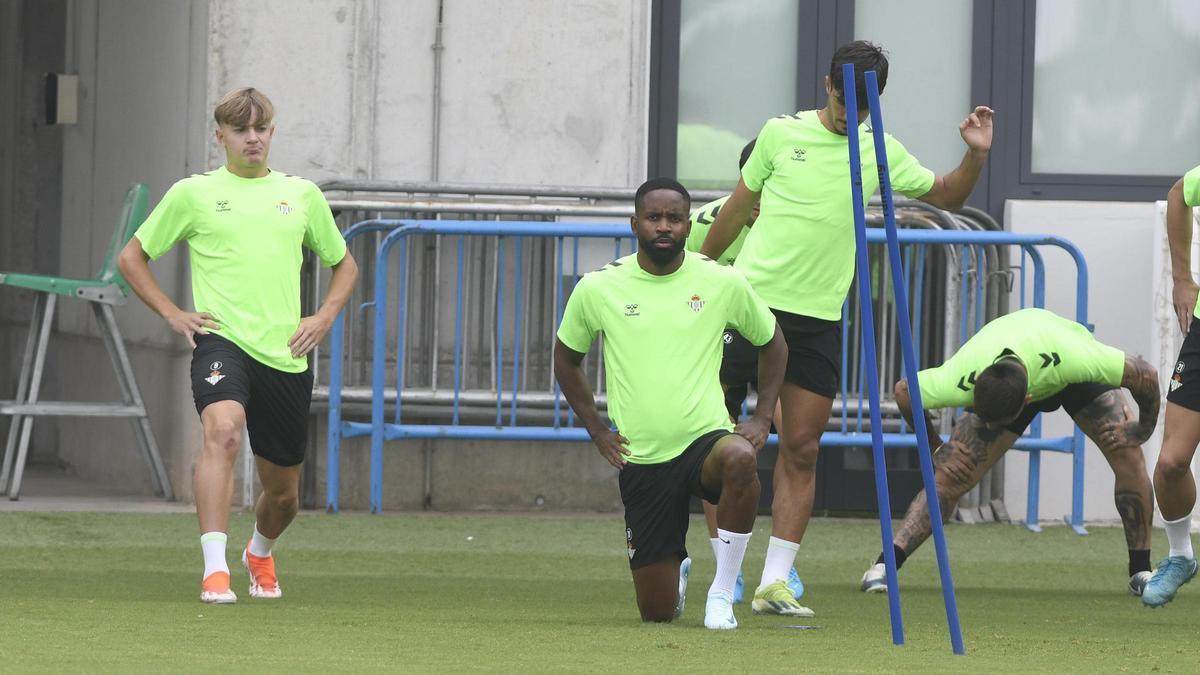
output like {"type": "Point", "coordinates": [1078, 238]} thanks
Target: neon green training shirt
{"type": "Point", "coordinates": [799, 256]}
{"type": "Point", "coordinates": [245, 236]}
{"type": "Point", "coordinates": [1055, 352]}
{"type": "Point", "coordinates": [702, 220]}
{"type": "Point", "coordinates": [1191, 197]}
{"type": "Point", "coordinates": [662, 346]}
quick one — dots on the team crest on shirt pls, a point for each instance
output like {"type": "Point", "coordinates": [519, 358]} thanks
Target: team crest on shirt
{"type": "Point", "coordinates": [283, 207]}
{"type": "Point", "coordinates": [696, 303]}
{"type": "Point", "coordinates": [214, 375]}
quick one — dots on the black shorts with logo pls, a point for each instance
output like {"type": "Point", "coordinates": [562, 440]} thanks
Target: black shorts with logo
{"type": "Point", "coordinates": [276, 402]}
{"type": "Point", "coordinates": [657, 500]}
{"type": "Point", "coordinates": [739, 370]}
{"type": "Point", "coordinates": [1072, 398]}
{"type": "Point", "coordinates": [814, 352]}
{"type": "Point", "coordinates": [1184, 386]}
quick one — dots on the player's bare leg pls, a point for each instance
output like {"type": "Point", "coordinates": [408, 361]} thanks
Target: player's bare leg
{"type": "Point", "coordinates": [959, 466]}
{"type": "Point", "coordinates": [803, 417]}
{"type": "Point", "coordinates": [276, 507]}
{"type": "Point", "coordinates": [212, 487]}
{"type": "Point", "coordinates": [1132, 492]}
{"type": "Point", "coordinates": [731, 468]}
{"type": "Point", "coordinates": [1175, 489]}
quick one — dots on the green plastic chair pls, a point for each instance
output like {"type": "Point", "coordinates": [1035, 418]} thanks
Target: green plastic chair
{"type": "Point", "coordinates": [106, 289]}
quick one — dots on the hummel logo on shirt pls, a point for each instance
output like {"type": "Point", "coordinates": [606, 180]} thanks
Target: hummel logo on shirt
{"type": "Point", "coordinates": [798, 154]}
{"type": "Point", "coordinates": [631, 309]}
{"type": "Point", "coordinates": [223, 205]}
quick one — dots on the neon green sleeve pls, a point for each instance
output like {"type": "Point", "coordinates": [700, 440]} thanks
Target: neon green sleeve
{"type": "Point", "coordinates": [321, 234]}
{"type": "Point", "coordinates": [749, 315]}
{"type": "Point", "coordinates": [1086, 359]}
{"type": "Point", "coordinates": [579, 323]}
{"type": "Point", "coordinates": [168, 223]}
{"type": "Point", "coordinates": [760, 165]}
{"type": "Point", "coordinates": [909, 178]}
{"type": "Point", "coordinates": [940, 387]}
{"type": "Point", "coordinates": [1191, 187]}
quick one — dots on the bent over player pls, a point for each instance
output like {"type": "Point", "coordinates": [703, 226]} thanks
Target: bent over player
{"type": "Point", "coordinates": [1016, 366]}
{"type": "Point", "coordinates": [662, 312]}
{"type": "Point", "coordinates": [245, 226]}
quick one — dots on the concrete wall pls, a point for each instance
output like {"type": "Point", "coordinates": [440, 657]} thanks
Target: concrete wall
{"type": "Point", "coordinates": [532, 91]}
{"type": "Point", "coordinates": [1118, 241]}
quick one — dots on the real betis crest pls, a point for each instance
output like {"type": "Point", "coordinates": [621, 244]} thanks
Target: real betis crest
{"type": "Point", "coordinates": [696, 303]}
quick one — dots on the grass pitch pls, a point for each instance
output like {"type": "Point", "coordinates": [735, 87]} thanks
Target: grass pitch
{"type": "Point", "coordinates": [453, 593]}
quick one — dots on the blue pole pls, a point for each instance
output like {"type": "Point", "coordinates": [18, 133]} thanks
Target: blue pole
{"type": "Point", "coordinates": [519, 244]}
{"type": "Point", "coordinates": [458, 331]}
{"type": "Point", "coordinates": [378, 364]}
{"type": "Point", "coordinates": [865, 313]}
{"type": "Point", "coordinates": [333, 461]}
{"type": "Point", "coordinates": [910, 362]}
{"type": "Point", "coordinates": [499, 329]}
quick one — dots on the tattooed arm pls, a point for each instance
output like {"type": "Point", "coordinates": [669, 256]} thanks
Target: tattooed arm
{"type": "Point", "coordinates": [904, 402]}
{"type": "Point", "coordinates": [961, 462]}
{"type": "Point", "coordinates": [1141, 379]}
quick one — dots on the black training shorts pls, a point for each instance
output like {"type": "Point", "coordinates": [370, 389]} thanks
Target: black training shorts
{"type": "Point", "coordinates": [739, 370]}
{"type": "Point", "coordinates": [276, 402]}
{"type": "Point", "coordinates": [657, 500]}
{"type": "Point", "coordinates": [814, 352]}
{"type": "Point", "coordinates": [1184, 386]}
{"type": "Point", "coordinates": [1072, 398]}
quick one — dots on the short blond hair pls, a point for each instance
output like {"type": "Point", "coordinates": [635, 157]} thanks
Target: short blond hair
{"type": "Point", "coordinates": [237, 107]}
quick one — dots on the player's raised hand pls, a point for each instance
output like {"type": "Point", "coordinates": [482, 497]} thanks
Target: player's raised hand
{"type": "Point", "coordinates": [976, 129]}
{"type": "Point", "coordinates": [188, 324]}
{"type": "Point", "coordinates": [612, 447]}
{"type": "Point", "coordinates": [1183, 297]}
{"type": "Point", "coordinates": [309, 333]}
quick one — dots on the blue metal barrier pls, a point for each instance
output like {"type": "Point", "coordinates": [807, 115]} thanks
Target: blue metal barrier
{"type": "Point", "coordinates": [851, 432]}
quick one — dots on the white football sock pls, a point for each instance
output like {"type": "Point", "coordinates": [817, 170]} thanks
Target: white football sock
{"type": "Point", "coordinates": [730, 549]}
{"type": "Point", "coordinates": [781, 555]}
{"type": "Point", "coordinates": [212, 544]}
{"type": "Point", "coordinates": [259, 545]}
{"type": "Point", "coordinates": [1179, 536]}
{"type": "Point", "coordinates": [715, 544]}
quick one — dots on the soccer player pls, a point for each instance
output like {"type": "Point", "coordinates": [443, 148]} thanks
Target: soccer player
{"type": "Point", "coordinates": [1016, 366]}
{"type": "Point", "coordinates": [245, 224]}
{"type": "Point", "coordinates": [1174, 484]}
{"type": "Point", "coordinates": [739, 362]}
{"type": "Point", "coordinates": [662, 312]}
{"type": "Point", "coordinates": [800, 258]}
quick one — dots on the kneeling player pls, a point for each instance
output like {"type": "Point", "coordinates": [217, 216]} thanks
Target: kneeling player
{"type": "Point", "coordinates": [1016, 366]}
{"type": "Point", "coordinates": [662, 312]}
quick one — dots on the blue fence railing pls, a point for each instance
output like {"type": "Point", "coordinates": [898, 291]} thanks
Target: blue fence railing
{"type": "Point", "coordinates": [571, 245]}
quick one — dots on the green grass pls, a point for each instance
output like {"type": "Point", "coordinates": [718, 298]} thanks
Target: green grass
{"type": "Point", "coordinates": [451, 593]}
